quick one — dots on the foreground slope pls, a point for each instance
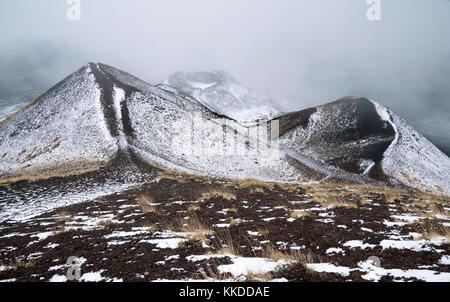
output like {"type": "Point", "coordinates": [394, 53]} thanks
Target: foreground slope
{"type": "Point", "coordinates": [211, 230]}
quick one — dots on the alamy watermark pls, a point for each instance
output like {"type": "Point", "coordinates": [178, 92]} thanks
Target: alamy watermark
{"type": "Point", "coordinates": [375, 260]}
{"type": "Point", "coordinates": [201, 136]}
{"type": "Point", "coordinates": [73, 10]}
{"type": "Point", "coordinates": [374, 11]}
{"type": "Point", "coordinates": [74, 270]}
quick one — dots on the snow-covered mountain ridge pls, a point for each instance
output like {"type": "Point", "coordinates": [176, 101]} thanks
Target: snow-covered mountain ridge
{"type": "Point", "coordinates": [100, 113]}
{"type": "Point", "coordinates": [221, 93]}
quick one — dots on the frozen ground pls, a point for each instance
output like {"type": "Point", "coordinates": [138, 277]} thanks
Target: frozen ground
{"type": "Point", "coordinates": [189, 229]}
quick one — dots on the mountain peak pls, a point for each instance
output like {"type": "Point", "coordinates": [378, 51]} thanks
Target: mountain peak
{"type": "Point", "coordinates": [221, 93]}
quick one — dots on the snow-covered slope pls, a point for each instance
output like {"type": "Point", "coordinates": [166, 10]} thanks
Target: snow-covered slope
{"type": "Point", "coordinates": [412, 159]}
{"type": "Point", "coordinates": [65, 127]}
{"type": "Point", "coordinates": [363, 137]}
{"type": "Point", "coordinates": [221, 93]}
{"type": "Point", "coordinates": [99, 114]}
{"type": "Point", "coordinates": [173, 130]}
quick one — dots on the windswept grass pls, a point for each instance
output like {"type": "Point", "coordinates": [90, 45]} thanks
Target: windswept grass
{"type": "Point", "coordinates": [431, 227]}
{"type": "Point", "coordinates": [194, 228]}
{"type": "Point", "coordinates": [224, 243]}
{"type": "Point", "coordinates": [275, 254]}
{"type": "Point", "coordinates": [177, 178]}
{"type": "Point", "coordinates": [146, 202]}
{"type": "Point", "coordinates": [63, 217]}
{"type": "Point", "coordinates": [299, 214]}
{"type": "Point", "coordinates": [193, 208]}
{"type": "Point", "coordinates": [208, 194]}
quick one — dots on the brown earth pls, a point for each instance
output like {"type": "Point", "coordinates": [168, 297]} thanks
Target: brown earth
{"type": "Point", "coordinates": [248, 219]}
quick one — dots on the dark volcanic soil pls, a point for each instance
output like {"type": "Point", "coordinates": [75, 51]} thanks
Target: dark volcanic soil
{"type": "Point", "coordinates": [116, 240]}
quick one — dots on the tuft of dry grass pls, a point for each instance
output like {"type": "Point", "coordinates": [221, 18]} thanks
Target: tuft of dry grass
{"type": "Point", "coordinates": [345, 205]}
{"type": "Point", "coordinates": [151, 227]}
{"type": "Point", "coordinates": [255, 190]}
{"type": "Point", "coordinates": [207, 273]}
{"type": "Point", "coordinates": [349, 195]}
{"type": "Point", "coordinates": [177, 178]}
{"type": "Point", "coordinates": [365, 202]}
{"type": "Point", "coordinates": [63, 217]}
{"type": "Point", "coordinates": [19, 264]}
{"type": "Point", "coordinates": [224, 243]}
{"type": "Point", "coordinates": [233, 221]}
{"type": "Point", "coordinates": [332, 197]}
{"type": "Point", "coordinates": [392, 195]}
{"type": "Point", "coordinates": [431, 227]}
{"type": "Point", "coordinates": [232, 210]}
{"type": "Point", "coordinates": [193, 208]}
{"type": "Point", "coordinates": [289, 187]}
{"type": "Point", "coordinates": [211, 193]}
{"type": "Point", "coordinates": [254, 277]}
{"type": "Point", "coordinates": [105, 223]}
{"type": "Point", "coordinates": [275, 254]}
{"type": "Point", "coordinates": [263, 232]}
{"type": "Point", "coordinates": [146, 201]}
{"type": "Point", "coordinates": [299, 214]}
{"type": "Point", "coordinates": [249, 183]}
{"type": "Point", "coordinates": [194, 227]}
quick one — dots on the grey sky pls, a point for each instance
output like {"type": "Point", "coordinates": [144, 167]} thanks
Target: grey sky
{"type": "Point", "coordinates": [307, 52]}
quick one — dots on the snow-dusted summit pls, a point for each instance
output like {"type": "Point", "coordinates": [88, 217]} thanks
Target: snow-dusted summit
{"type": "Point", "coordinates": [221, 93]}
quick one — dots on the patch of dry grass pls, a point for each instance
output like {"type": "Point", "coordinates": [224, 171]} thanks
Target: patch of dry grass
{"type": "Point", "coordinates": [19, 264]}
{"type": "Point", "coordinates": [249, 183]}
{"type": "Point", "coordinates": [299, 214]}
{"type": "Point", "coordinates": [254, 277]}
{"type": "Point", "coordinates": [63, 217]}
{"type": "Point", "coordinates": [105, 223]}
{"type": "Point", "coordinates": [69, 169]}
{"type": "Point", "coordinates": [337, 196]}
{"type": "Point", "coordinates": [194, 228]}
{"type": "Point", "coordinates": [225, 244]}
{"type": "Point", "coordinates": [348, 196]}
{"type": "Point", "coordinates": [146, 201]}
{"type": "Point", "coordinates": [364, 202]}
{"type": "Point", "coordinates": [255, 190]}
{"type": "Point", "coordinates": [177, 178]}
{"type": "Point", "coordinates": [211, 193]}
{"type": "Point", "coordinates": [392, 195]}
{"type": "Point", "coordinates": [233, 221]}
{"type": "Point", "coordinates": [431, 227]}
{"type": "Point", "coordinates": [232, 210]}
{"type": "Point", "coordinates": [275, 254]}
{"type": "Point", "coordinates": [207, 273]}
{"type": "Point", "coordinates": [289, 187]}
{"type": "Point", "coordinates": [151, 227]}
{"type": "Point", "coordinates": [193, 208]}
{"type": "Point", "coordinates": [343, 205]}
{"type": "Point", "coordinates": [263, 232]}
